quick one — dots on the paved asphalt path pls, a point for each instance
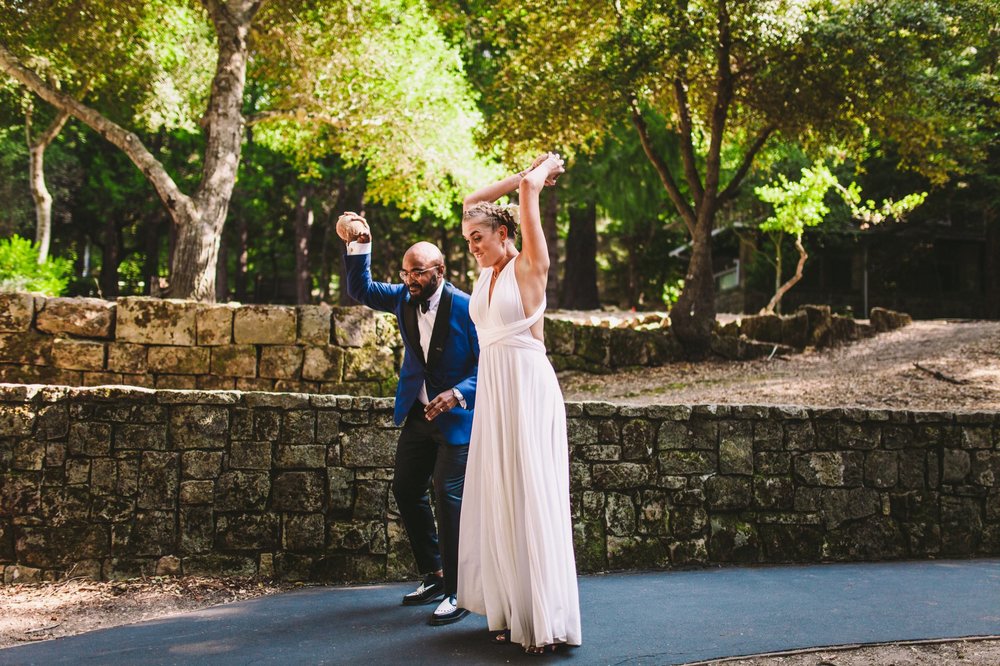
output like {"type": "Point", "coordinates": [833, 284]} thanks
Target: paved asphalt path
{"type": "Point", "coordinates": [632, 618]}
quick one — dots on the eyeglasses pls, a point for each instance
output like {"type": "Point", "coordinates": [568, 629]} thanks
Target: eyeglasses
{"type": "Point", "coordinates": [416, 272]}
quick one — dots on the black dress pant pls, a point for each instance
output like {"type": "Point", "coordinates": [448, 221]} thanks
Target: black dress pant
{"type": "Point", "coordinates": [424, 456]}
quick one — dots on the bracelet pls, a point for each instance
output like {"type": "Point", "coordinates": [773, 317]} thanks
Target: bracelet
{"type": "Point", "coordinates": [523, 173]}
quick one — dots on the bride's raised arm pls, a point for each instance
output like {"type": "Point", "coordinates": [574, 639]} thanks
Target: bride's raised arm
{"type": "Point", "coordinates": [503, 187]}
{"type": "Point", "coordinates": [534, 249]}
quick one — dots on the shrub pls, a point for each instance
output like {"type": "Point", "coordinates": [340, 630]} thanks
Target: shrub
{"type": "Point", "coordinates": [20, 270]}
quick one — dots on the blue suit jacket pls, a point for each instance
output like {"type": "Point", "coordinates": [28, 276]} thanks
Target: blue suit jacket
{"type": "Point", "coordinates": [453, 357]}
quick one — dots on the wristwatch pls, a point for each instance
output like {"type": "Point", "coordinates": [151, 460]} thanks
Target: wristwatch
{"type": "Point", "coordinates": [458, 396]}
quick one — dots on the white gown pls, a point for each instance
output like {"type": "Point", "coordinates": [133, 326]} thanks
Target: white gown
{"type": "Point", "coordinates": [515, 552]}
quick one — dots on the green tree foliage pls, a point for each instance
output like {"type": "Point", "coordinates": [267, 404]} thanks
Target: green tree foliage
{"type": "Point", "coordinates": [639, 227]}
{"type": "Point", "coordinates": [728, 77]}
{"type": "Point", "coordinates": [371, 81]}
{"type": "Point", "coordinates": [800, 204]}
{"type": "Point", "coordinates": [21, 271]}
{"type": "Point", "coordinates": [797, 205]}
{"type": "Point", "coordinates": [14, 192]}
{"type": "Point", "coordinates": [376, 84]}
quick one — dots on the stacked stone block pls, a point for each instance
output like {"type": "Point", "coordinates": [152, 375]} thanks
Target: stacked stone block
{"type": "Point", "coordinates": [117, 482]}
{"type": "Point", "coordinates": [160, 343]}
{"type": "Point", "coordinates": [113, 483]}
{"type": "Point", "coordinates": [174, 344]}
{"type": "Point", "coordinates": [810, 326]}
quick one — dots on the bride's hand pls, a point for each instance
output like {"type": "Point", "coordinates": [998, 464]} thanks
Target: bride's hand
{"type": "Point", "coordinates": [550, 177]}
{"type": "Point", "coordinates": [552, 165]}
{"type": "Point", "coordinates": [538, 160]}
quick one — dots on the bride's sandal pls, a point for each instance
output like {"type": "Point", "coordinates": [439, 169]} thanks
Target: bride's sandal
{"type": "Point", "coordinates": [539, 650]}
{"type": "Point", "coordinates": [503, 638]}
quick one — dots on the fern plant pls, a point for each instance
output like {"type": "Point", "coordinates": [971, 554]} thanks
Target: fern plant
{"type": "Point", "coordinates": [20, 270]}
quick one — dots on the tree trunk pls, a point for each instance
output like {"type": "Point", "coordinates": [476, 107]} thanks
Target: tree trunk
{"type": "Point", "coordinates": [772, 306]}
{"type": "Point", "coordinates": [151, 260]}
{"type": "Point", "coordinates": [550, 220]}
{"type": "Point", "coordinates": [632, 274]}
{"type": "Point", "coordinates": [110, 259]}
{"type": "Point", "coordinates": [192, 273]}
{"type": "Point", "coordinates": [304, 217]}
{"type": "Point", "coordinates": [197, 248]}
{"type": "Point", "coordinates": [81, 266]}
{"type": "Point", "coordinates": [36, 178]}
{"type": "Point", "coordinates": [222, 272]}
{"type": "Point", "coordinates": [693, 315]}
{"type": "Point", "coordinates": [198, 219]}
{"type": "Point", "coordinates": [242, 259]}
{"type": "Point", "coordinates": [779, 265]}
{"type": "Point", "coordinates": [991, 272]}
{"type": "Point", "coordinates": [43, 201]}
{"type": "Point", "coordinates": [580, 280]}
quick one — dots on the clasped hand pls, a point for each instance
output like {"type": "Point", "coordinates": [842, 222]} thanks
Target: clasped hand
{"type": "Point", "coordinates": [551, 164]}
{"type": "Point", "coordinates": [353, 227]}
{"type": "Point", "coordinates": [444, 402]}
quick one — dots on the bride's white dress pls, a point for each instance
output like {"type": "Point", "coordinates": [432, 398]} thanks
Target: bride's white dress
{"type": "Point", "coordinates": [515, 559]}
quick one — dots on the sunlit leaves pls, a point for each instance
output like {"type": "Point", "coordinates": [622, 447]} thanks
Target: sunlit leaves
{"type": "Point", "coordinates": [145, 64]}
{"type": "Point", "coordinates": [921, 74]}
{"type": "Point", "coordinates": [20, 270]}
{"type": "Point", "coordinates": [179, 45]}
{"type": "Point", "coordinates": [376, 83]}
{"type": "Point", "coordinates": [797, 204]}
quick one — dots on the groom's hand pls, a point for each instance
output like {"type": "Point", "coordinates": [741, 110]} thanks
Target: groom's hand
{"type": "Point", "coordinates": [444, 402]}
{"type": "Point", "coordinates": [353, 227]}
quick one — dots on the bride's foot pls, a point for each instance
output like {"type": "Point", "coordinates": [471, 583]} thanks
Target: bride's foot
{"type": "Point", "coordinates": [538, 650]}
{"type": "Point", "coordinates": [503, 638]}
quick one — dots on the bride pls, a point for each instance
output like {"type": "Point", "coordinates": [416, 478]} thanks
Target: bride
{"type": "Point", "coordinates": [516, 562]}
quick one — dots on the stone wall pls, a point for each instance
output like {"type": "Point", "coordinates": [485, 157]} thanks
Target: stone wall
{"type": "Point", "coordinates": [815, 326]}
{"type": "Point", "coordinates": [646, 340]}
{"type": "Point", "coordinates": [120, 482]}
{"type": "Point", "coordinates": [171, 344]}
{"type": "Point", "coordinates": [174, 344]}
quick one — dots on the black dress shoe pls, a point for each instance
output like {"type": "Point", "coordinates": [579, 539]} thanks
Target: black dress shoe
{"type": "Point", "coordinates": [447, 612]}
{"type": "Point", "coordinates": [430, 590]}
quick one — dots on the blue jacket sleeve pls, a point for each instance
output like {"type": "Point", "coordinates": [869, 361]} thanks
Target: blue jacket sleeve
{"type": "Point", "coordinates": [468, 385]}
{"type": "Point", "coordinates": [376, 295]}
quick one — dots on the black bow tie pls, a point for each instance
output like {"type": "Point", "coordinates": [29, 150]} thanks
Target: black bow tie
{"type": "Point", "coordinates": [423, 305]}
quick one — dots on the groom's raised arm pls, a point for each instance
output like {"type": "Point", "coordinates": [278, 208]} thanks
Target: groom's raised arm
{"type": "Point", "coordinates": [383, 296]}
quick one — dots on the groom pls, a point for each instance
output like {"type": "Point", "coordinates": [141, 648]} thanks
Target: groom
{"type": "Point", "coordinates": [434, 400]}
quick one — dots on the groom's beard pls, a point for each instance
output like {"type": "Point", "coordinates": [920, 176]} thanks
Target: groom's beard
{"type": "Point", "coordinates": [426, 290]}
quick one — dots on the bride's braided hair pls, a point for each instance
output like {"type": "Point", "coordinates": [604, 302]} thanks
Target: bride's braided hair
{"type": "Point", "coordinates": [497, 215]}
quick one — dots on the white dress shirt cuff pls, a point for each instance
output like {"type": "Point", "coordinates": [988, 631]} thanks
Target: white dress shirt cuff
{"type": "Point", "coordinates": [356, 247]}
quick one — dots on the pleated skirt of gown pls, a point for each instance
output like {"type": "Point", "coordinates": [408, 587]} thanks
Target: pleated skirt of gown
{"type": "Point", "coordinates": [516, 560]}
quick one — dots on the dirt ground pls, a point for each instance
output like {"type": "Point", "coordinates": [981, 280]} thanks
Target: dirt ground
{"type": "Point", "coordinates": [959, 369]}
{"type": "Point", "coordinates": [929, 365]}
{"type": "Point", "coordinates": [35, 612]}
{"type": "Point", "coordinates": [969, 652]}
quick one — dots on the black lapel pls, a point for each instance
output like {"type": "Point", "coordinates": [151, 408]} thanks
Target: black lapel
{"type": "Point", "coordinates": [412, 331]}
{"type": "Point", "coordinates": [442, 323]}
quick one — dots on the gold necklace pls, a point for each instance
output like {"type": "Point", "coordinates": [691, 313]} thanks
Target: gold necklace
{"type": "Point", "coordinates": [496, 273]}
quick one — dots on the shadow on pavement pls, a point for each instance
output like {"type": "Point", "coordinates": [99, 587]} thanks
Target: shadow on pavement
{"type": "Point", "coordinates": [668, 617]}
